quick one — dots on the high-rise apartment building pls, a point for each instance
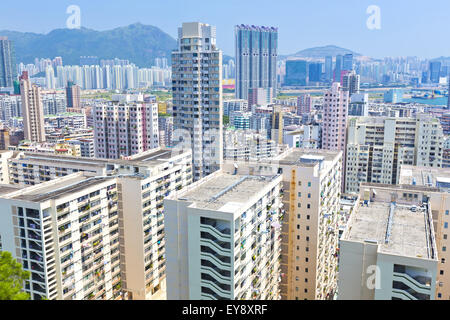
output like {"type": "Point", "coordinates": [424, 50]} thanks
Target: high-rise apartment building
{"type": "Point", "coordinates": [328, 68]}
{"type": "Point", "coordinates": [73, 95]}
{"type": "Point", "coordinates": [338, 68]}
{"type": "Point", "coordinates": [197, 96]}
{"type": "Point", "coordinates": [435, 71]}
{"type": "Point", "coordinates": [132, 199]}
{"type": "Point", "coordinates": [304, 104]}
{"type": "Point", "coordinates": [125, 126]}
{"type": "Point", "coordinates": [335, 110]}
{"type": "Point", "coordinates": [277, 124]}
{"type": "Point", "coordinates": [430, 188]}
{"type": "Point", "coordinates": [223, 238]}
{"type": "Point", "coordinates": [388, 250]}
{"type": "Point", "coordinates": [310, 229]}
{"type": "Point", "coordinates": [378, 146]}
{"type": "Point", "coordinates": [351, 82]}
{"type": "Point", "coordinates": [32, 110]}
{"type": "Point", "coordinates": [8, 71]}
{"type": "Point", "coordinates": [256, 59]}
{"type": "Point", "coordinates": [315, 72]}
{"type": "Point", "coordinates": [347, 62]}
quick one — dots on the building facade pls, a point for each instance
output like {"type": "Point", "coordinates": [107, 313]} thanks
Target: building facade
{"type": "Point", "coordinates": [197, 96]}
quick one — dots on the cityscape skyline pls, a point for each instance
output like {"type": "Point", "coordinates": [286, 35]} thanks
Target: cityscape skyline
{"type": "Point", "coordinates": [399, 23]}
{"type": "Point", "coordinates": [323, 176]}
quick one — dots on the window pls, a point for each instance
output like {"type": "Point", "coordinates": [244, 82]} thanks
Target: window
{"type": "Point", "coordinates": [306, 270]}
{"type": "Point", "coordinates": [439, 295]}
{"type": "Point", "coordinates": [306, 279]}
{"type": "Point", "coordinates": [308, 206]}
{"type": "Point", "coordinates": [307, 228]}
{"type": "Point", "coordinates": [307, 217]}
{"type": "Point", "coordinates": [444, 248]}
{"type": "Point", "coordinates": [446, 225]}
{"type": "Point", "coordinates": [306, 290]}
{"type": "Point", "coordinates": [306, 259]}
{"type": "Point", "coordinates": [446, 212]}
{"type": "Point", "coordinates": [441, 272]}
{"type": "Point", "coordinates": [445, 237]}
{"type": "Point", "coordinates": [309, 195]}
{"type": "Point", "coordinates": [299, 194]}
{"type": "Point", "coordinates": [309, 184]}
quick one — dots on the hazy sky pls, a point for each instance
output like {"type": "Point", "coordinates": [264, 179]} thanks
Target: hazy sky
{"type": "Point", "coordinates": [408, 27]}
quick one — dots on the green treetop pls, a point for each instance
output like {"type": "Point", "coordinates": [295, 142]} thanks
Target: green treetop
{"type": "Point", "coordinates": [12, 277]}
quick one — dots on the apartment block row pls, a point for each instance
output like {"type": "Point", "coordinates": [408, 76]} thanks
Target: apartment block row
{"type": "Point", "coordinates": [91, 228]}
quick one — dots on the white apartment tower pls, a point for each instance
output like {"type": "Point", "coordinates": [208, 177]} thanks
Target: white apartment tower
{"type": "Point", "coordinates": [197, 96]}
{"type": "Point", "coordinates": [223, 236]}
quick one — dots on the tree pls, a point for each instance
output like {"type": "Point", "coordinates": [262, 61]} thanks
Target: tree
{"type": "Point", "coordinates": [12, 277]}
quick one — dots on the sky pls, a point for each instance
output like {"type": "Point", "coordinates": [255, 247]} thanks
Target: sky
{"type": "Point", "coordinates": [407, 27]}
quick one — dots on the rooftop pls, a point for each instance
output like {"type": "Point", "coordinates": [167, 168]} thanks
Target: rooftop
{"type": "Point", "coordinates": [408, 234]}
{"type": "Point", "coordinates": [57, 188]}
{"type": "Point", "coordinates": [307, 157]}
{"type": "Point", "coordinates": [225, 192]}
{"type": "Point", "coordinates": [425, 177]}
{"type": "Point", "coordinates": [149, 158]}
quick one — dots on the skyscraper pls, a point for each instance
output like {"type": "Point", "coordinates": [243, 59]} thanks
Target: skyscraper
{"type": "Point", "coordinates": [296, 73]}
{"type": "Point", "coordinates": [315, 72]}
{"type": "Point", "coordinates": [32, 110]}
{"type": "Point", "coordinates": [197, 96]}
{"type": "Point", "coordinates": [256, 58]}
{"type": "Point", "coordinates": [73, 94]}
{"type": "Point", "coordinates": [338, 68]}
{"type": "Point", "coordinates": [7, 63]}
{"type": "Point", "coordinates": [435, 71]}
{"type": "Point", "coordinates": [328, 68]}
{"type": "Point", "coordinates": [347, 62]}
{"type": "Point", "coordinates": [351, 82]}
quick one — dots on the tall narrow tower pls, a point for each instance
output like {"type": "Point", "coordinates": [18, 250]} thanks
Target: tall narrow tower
{"type": "Point", "coordinates": [197, 96]}
{"type": "Point", "coordinates": [32, 110]}
{"type": "Point", "coordinates": [256, 59]}
{"type": "Point", "coordinates": [7, 63]}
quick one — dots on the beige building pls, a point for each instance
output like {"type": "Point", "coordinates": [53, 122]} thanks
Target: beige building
{"type": "Point", "coordinates": [310, 227]}
{"type": "Point", "coordinates": [378, 146]}
{"type": "Point", "coordinates": [388, 250]}
{"type": "Point", "coordinates": [32, 110]}
{"type": "Point", "coordinates": [434, 186]}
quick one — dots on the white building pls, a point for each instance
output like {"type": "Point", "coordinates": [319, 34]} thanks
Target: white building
{"type": "Point", "coordinates": [224, 239]}
{"type": "Point", "coordinates": [388, 251]}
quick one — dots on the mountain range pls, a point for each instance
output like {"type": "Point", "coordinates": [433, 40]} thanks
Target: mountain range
{"type": "Point", "coordinates": [138, 43]}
